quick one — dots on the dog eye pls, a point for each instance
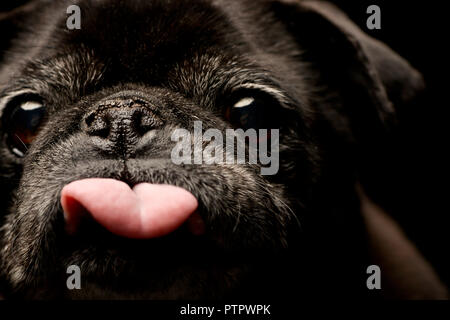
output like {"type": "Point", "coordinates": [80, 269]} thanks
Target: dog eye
{"type": "Point", "coordinates": [249, 112]}
{"type": "Point", "coordinates": [22, 123]}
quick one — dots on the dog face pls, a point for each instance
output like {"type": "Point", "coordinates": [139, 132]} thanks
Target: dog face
{"type": "Point", "coordinates": [104, 101]}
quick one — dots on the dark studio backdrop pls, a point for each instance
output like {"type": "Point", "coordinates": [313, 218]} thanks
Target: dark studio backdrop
{"type": "Point", "coordinates": [415, 189]}
{"type": "Point", "coordinates": [415, 168]}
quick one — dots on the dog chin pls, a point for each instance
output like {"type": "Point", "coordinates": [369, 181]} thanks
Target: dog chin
{"type": "Point", "coordinates": [182, 283]}
{"type": "Point", "coordinates": [165, 273]}
{"type": "Point", "coordinates": [107, 281]}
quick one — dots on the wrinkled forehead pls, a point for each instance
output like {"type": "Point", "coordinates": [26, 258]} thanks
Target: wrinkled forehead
{"type": "Point", "coordinates": [192, 47]}
{"type": "Point", "coordinates": [135, 34]}
{"type": "Point", "coordinates": [180, 44]}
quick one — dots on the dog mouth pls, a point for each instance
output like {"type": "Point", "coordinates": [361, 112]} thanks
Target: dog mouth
{"type": "Point", "coordinates": [143, 212]}
{"type": "Point", "coordinates": [140, 240]}
{"type": "Point", "coordinates": [132, 230]}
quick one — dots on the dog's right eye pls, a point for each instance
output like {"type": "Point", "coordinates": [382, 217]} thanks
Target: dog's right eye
{"type": "Point", "coordinates": [22, 121]}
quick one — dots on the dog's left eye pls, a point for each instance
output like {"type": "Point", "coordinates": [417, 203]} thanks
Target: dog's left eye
{"type": "Point", "coordinates": [22, 124]}
{"type": "Point", "coordinates": [248, 112]}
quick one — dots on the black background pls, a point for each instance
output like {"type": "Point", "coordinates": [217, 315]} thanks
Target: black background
{"type": "Point", "coordinates": [419, 189]}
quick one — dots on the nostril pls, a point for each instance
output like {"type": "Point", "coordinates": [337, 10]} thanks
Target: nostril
{"type": "Point", "coordinates": [136, 120]}
{"type": "Point", "coordinates": [144, 121]}
{"type": "Point", "coordinates": [97, 124]}
{"type": "Point", "coordinates": [90, 119]}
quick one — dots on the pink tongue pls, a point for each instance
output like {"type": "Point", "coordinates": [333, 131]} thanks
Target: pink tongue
{"type": "Point", "coordinates": [146, 211]}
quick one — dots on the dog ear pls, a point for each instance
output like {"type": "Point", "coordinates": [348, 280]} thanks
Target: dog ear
{"type": "Point", "coordinates": [370, 78]}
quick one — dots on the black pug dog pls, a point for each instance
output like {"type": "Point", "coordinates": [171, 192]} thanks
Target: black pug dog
{"type": "Point", "coordinates": [87, 115]}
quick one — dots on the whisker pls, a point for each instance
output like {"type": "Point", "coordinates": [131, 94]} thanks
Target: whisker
{"type": "Point", "coordinates": [26, 148]}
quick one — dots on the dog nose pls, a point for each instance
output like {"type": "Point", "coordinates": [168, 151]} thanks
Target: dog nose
{"type": "Point", "coordinates": [120, 118]}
